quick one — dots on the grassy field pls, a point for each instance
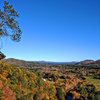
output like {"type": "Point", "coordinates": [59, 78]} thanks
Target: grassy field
{"type": "Point", "coordinates": [96, 82]}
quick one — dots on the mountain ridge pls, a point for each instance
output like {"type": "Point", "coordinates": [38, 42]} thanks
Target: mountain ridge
{"type": "Point", "coordinates": [30, 64]}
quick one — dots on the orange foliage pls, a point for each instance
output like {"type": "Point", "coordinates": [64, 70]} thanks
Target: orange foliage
{"type": "Point", "coordinates": [8, 94]}
{"type": "Point", "coordinates": [1, 85]}
{"type": "Point", "coordinates": [76, 95]}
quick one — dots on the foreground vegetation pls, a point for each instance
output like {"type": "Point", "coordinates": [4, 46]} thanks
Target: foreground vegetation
{"type": "Point", "coordinates": [47, 83]}
{"type": "Point", "coordinates": [95, 82]}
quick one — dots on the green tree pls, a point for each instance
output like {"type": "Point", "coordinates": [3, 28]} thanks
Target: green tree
{"type": "Point", "coordinates": [60, 94]}
{"type": "Point", "coordinates": [9, 26]}
{"type": "Point", "coordinates": [97, 95]}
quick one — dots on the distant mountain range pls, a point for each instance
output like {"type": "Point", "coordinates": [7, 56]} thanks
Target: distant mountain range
{"type": "Point", "coordinates": [55, 63]}
{"type": "Point", "coordinates": [28, 64]}
{"type": "Point", "coordinates": [33, 63]}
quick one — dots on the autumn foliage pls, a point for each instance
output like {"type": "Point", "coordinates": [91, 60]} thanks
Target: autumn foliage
{"type": "Point", "coordinates": [23, 84]}
{"type": "Point", "coordinates": [17, 83]}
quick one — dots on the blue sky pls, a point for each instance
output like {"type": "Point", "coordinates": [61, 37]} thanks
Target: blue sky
{"type": "Point", "coordinates": [56, 30]}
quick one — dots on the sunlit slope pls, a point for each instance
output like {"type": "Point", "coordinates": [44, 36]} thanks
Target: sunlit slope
{"type": "Point", "coordinates": [23, 84]}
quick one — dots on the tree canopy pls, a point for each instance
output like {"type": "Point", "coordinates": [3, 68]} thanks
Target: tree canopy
{"type": "Point", "coordinates": [9, 26]}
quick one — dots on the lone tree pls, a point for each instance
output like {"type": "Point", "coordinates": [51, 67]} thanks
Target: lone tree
{"type": "Point", "coordinates": [9, 26]}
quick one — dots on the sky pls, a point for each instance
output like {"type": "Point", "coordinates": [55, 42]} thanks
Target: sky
{"type": "Point", "coordinates": [56, 30]}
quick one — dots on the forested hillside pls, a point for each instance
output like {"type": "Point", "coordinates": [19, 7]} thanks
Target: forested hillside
{"type": "Point", "coordinates": [24, 84]}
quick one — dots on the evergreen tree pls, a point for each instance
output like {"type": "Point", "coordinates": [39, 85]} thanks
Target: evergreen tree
{"type": "Point", "coordinates": [8, 23]}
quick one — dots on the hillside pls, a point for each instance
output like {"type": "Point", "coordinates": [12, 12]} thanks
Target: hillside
{"type": "Point", "coordinates": [89, 63]}
{"type": "Point", "coordinates": [40, 64]}
{"type": "Point", "coordinates": [22, 84]}
{"type": "Point", "coordinates": [21, 63]}
{"type": "Point", "coordinates": [19, 83]}
{"type": "Point", "coordinates": [85, 62]}
{"type": "Point", "coordinates": [31, 63]}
